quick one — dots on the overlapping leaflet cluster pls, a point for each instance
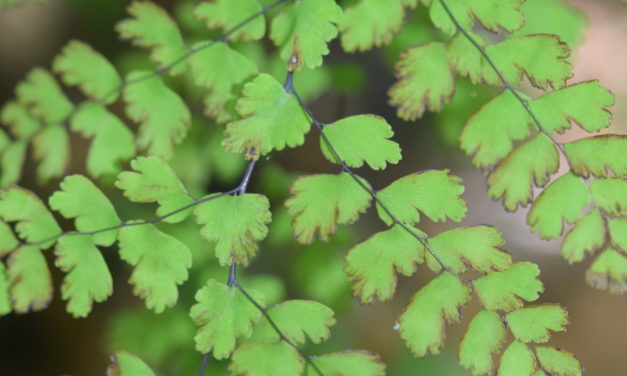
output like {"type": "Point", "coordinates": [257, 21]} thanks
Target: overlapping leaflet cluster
{"type": "Point", "coordinates": [511, 136]}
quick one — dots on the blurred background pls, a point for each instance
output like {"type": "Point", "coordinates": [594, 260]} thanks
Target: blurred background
{"type": "Point", "coordinates": [52, 343]}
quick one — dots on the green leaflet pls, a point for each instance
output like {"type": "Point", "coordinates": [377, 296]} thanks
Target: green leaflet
{"type": "Point", "coordinates": [370, 23]}
{"type": "Point", "coordinates": [34, 222]}
{"type": "Point", "coordinates": [160, 111]}
{"type": "Point", "coordinates": [425, 81]}
{"type": "Point", "coordinates": [492, 14]}
{"type": "Point", "coordinates": [127, 364]}
{"type": "Point", "coordinates": [19, 120]}
{"type": "Point", "coordinates": [563, 200]}
{"type": "Point", "coordinates": [372, 264]}
{"type": "Point", "coordinates": [113, 143]}
{"type": "Point", "coordinates": [434, 192]}
{"type": "Point", "coordinates": [41, 93]}
{"type": "Point", "coordinates": [5, 296]}
{"type": "Point", "coordinates": [79, 198]}
{"type": "Point", "coordinates": [618, 233]}
{"type": "Point", "coordinates": [558, 362]}
{"type": "Point", "coordinates": [319, 203]}
{"type": "Point", "coordinates": [533, 324]}
{"type": "Point", "coordinates": [503, 291]}
{"type": "Point", "coordinates": [223, 314]}
{"type": "Point", "coordinates": [220, 69]}
{"type": "Point", "coordinates": [226, 14]}
{"type": "Point", "coordinates": [30, 279]}
{"type": "Point", "coordinates": [272, 119]}
{"type": "Point", "coordinates": [489, 134]}
{"type": "Point", "coordinates": [160, 263]}
{"type": "Point", "coordinates": [610, 195]}
{"type": "Point", "coordinates": [484, 338]}
{"type": "Point", "coordinates": [302, 31]}
{"type": "Point", "coordinates": [12, 163]}
{"type": "Point", "coordinates": [586, 237]}
{"type": "Point", "coordinates": [152, 27]}
{"type": "Point", "coordinates": [517, 360]}
{"type": "Point", "coordinates": [542, 58]}
{"type": "Point", "coordinates": [297, 319]}
{"type": "Point", "coordinates": [51, 148]}
{"type": "Point", "coordinates": [79, 65]}
{"type": "Point", "coordinates": [88, 278]}
{"type": "Point", "coordinates": [476, 247]}
{"type": "Point", "coordinates": [531, 163]}
{"type": "Point", "coordinates": [439, 302]}
{"type": "Point", "coordinates": [596, 155]}
{"type": "Point", "coordinates": [584, 103]}
{"type": "Point", "coordinates": [155, 181]}
{"type": "Point", "coordinates": [361, 138]}
{"type": "Point", "coordinates": [266, 360]}
{"type": "Point", "coordinates": [8, 241]}
{"type": "Point", "coordinates": [236, 224]}
{"type": "Point", "coordinates": [609, 272]}
{"type": "Point", "coordinates": [4, 140]}
{"type": "Point", "coordinates": [347, 363]}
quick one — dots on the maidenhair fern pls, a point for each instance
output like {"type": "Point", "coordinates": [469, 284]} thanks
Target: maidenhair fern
{"type": "Point", "coordinates": [511, 138]}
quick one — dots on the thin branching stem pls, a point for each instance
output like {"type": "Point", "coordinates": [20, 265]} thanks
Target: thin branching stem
{"type": "Point", "coordinates": [423, 240]}
{"type": "Point", "coordinates": [506, 84]}
{"type": "Point", "coordinates": [193, 50]}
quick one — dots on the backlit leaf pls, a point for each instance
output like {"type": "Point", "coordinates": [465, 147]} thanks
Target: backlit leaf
{"type": "Point", "coordinates": [302, 31]}
{"type": "Point", "coordinates": [127, 364]}
{"type": "Point", "coordinates": [425, 81]}
{"type": "Point", "coordinates": [297, 319]}
{"type": "Point", "coordinates": [533, 324]}
{"type": "Point", "coordinates": [51, 149]}
{"type": "Point", "coordinates": [504, 291]}
{"type": "Point", "coordinates": [43, 96]}
{"type": "Point", "coordinates": [79, 65]}
{"type": "Point", "coordinates": [236, 224]}
{"type": "Point", "coordinates": [372, 265]}
{"type": "Point", "coordinates": [113, 143]}
{"type": "Point", "coordinates": [563, 200]}
{"type": "Point", "coordinates": [154, 181]}
{"type": "Point", "coordinates": [34, 222]}
{"type": "Point", "coordinates": [370, 23]}
{"type": "Point", "coordinates": [19, 120]}
{"type": "Point", "coordinates": [587, 237]}
{"type": "Point", "coordinates": [152, 27]}
{"type": "Point", "coordinates": [361, 138]}
{"type": "Point", "coordinates": [347, 363]}
{"type": "Point", "coordinates": [476, 247]}
{"type": "Point", "coordinates": [160, 111]}
{"type": "Point", "coordinates": [88, 278]}
{"type": "Point", "coordinates": [8, 241]}
{"type": "Point", "coordinates": [484, 338]}
{"type": "Point", "coordinates": [558, 362]}
{"type": "Point", "coordinates": [220, 69]}
{"type": "Point", "coordinates": [423, 321]}
{"type": "Point", "coordinates": [531, 163]}
{"type": "Point", "coordinates": [266, 360]}
{"type": "Point", "coordinates": [160, 264]}
{"type": "Point", "coordinates": [272, 119]}
{"type": "Point", "coordinates": [434, 192]}
{"type": "Point", "coordinates": [223, 314]}
{"type": "Point", "coordinates": [320, 202]}
{"type": "Point", "coordinates": [610, 195]}
{"type": "Point", "coordinates": [517, 360]}
{"type": "Point", "coordinates": [30, 279]}
{"type": "Point", "coordinates": [79, 198]}
{"type": "Point", "coordinates": [609, 272]}
{"type": "Point", "coordinates": [489, 134]}
{"type": "Point", "coordinates": [12, 162]}
{"type": "Point", "coordinates": [598, 155]}
{"type": "Point", "coordinates": [227, 14]}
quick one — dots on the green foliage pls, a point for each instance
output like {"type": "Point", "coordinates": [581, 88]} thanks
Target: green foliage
{"type": "Point", "coordinates": [511, 138]}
